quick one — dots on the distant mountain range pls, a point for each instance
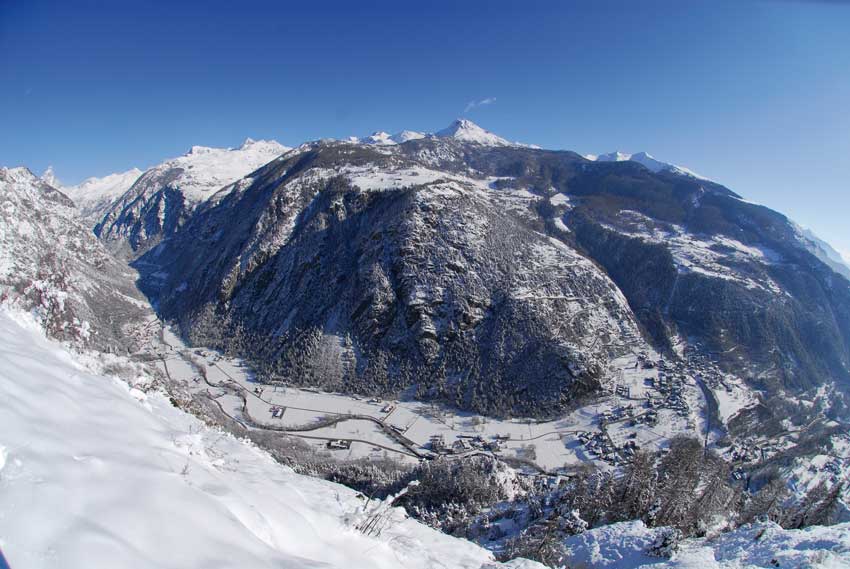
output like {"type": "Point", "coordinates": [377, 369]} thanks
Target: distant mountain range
{"type": "Point", "coordinates": [463, 267]}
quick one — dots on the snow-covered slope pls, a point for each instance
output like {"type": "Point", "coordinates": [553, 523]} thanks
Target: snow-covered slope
{"type": "Point", "coordinates": [467, 131]}
{"type": "Point", "coordinates": [406, 135]}
{"type": "Point", "coordinates": [159, 201]}
{"type": "Point", "coordinates": [461, 129]}
{"type": "Point", "coordinates": [653, 164]}
{"type": "Point", "coordinates": [93, 196]}
{"type": "Point", "coordinates": [52, 264]}
{"type": "Point", "coordinates": [95, 474]}
{"type": "Point", "coordinates": [629, 544]}
{"type": "Point", "coordinates": [823, 251]}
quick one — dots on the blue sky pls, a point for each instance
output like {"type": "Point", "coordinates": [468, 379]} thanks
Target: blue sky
{"type": "Point", "coordinates": [754, 94]}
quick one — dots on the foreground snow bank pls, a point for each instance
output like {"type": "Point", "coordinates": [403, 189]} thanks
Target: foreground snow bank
{"type": "Point", "coordinates": [625, 545]}
{"type": "Point", "coordinates": [96, 474]}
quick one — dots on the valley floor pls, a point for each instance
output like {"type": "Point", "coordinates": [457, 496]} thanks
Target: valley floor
{"type": "Point", "coordinates": [405, 430]}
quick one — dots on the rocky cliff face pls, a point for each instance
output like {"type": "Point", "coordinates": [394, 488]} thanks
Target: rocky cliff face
{"type": "Point", "coordinates": [501, 278]}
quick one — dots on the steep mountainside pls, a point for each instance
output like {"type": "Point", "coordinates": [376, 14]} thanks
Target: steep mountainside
{"type": "Point", "coordinates": [161, 199]}
{"type": "Point", "coordinates": [499, 277]}
{"type": "Point", "coordinates": [362, 270]}
{"type": "Point", "coordinates": [52, 264]}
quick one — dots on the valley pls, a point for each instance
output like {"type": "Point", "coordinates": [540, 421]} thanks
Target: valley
{"type": "Point", "coordinates": [634, 415]}
{"type": "Point", "coordinates": [515, 345]}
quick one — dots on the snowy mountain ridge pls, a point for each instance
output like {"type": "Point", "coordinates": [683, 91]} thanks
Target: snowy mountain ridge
{"type": "Point", "coordinates": [461, 129]}
{"type": "Point", "coordinates": [160, 200]}
{"type": "Point", "coordinates": [652, 163]}
{"type": "Point", "coordinates": [94, 195]}
{"type": "Point", "coordinates": [824, 251]}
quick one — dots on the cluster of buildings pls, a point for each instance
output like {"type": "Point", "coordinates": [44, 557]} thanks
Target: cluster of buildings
{"type": "Point", "coordinates": [465, 443]}
{"type": "Point", "coordinates": [600, 446]}
{"type": "Point", "coordinates": [699, 364]}
{"type": "Point", "coordinates": [616, 414]}
{"type": "Point", "coordinates": [671, 387]}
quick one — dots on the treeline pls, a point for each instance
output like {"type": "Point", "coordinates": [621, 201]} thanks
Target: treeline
{"type": "Point", "coordinates": [688, 489]}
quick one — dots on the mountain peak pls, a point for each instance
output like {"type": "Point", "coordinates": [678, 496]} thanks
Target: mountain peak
{"type": "Point", "coordinates": [468, 131]}
{"type": "Point", "coordinates": [49, 177]}
{"type": "Point", "coordinates": [379, 137]}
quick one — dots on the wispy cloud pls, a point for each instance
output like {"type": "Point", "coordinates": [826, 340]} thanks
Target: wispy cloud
{"type": "Point", "coordinates": [472, 104]}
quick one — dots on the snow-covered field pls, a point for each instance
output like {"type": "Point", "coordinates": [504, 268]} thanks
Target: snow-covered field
{"type": "Point", "coordinates": [97, 474]}
{"type": "Point", "coordinates": [551, 445]}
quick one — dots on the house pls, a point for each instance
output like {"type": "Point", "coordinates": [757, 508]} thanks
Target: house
{"type": "Point", "coordinates": [437, 443]}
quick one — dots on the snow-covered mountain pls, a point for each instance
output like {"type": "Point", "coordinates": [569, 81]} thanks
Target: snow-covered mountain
{"type": "Point", "coordinates": [163, 196]}
{"type": "Point", "coordinates": [467, 131]}
{"type": "Point", "coordinates": [381, 138]}
{"type": "Point", "coordinates": [52, 264]}
{"type": "Point", "coordinates": [458, 258]}
{"type": "Point", "coordinates": [406, 274]}
{"type": "Point", "coordinates": [824, 251]}
{"type": "Point", "coordinates": [407, 135]}
{"type": "Point", "coordinates": [93, 196]}
{"type": "Point", "coordinates": [461, 129]}
{"type": "Point", "coordinates": [653, 164]}
{"type": "Point", "coordinates": [452, 268]}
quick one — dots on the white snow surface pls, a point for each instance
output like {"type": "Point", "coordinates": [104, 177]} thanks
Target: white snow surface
{"type": "Point", "coordinates": [651, 163]}
{"type": "Point", "coordinates": [468, 131]}
{"type": "Point", "coordinates": [382, 138]}
{"type": "Point", "coordinates": [624, 546]}
{"type": "Point", "coordinates": [93, 196]}
{"type": "Point", "coordinates": [206, 170]}
{"type": "Point", "coordinates": [706, 254]}
{"type": "Point", "coordinates": [96, 474]}
{"type": "Point", "coordinates": [460, 129]}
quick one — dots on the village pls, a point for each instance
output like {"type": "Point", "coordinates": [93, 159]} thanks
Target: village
{"type": "Point", "coordinates": [648, 401]}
